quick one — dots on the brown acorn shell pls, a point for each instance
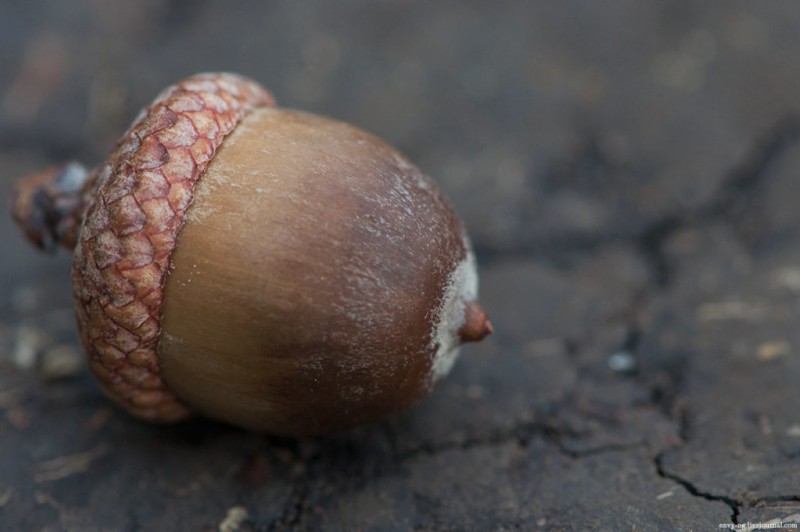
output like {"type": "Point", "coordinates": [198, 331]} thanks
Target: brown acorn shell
{"type": "Point", "coordinates": [307, 279]}
{"type": "Point", "coordinates": [135, 206]}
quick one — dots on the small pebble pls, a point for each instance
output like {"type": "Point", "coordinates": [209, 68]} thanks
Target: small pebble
{"type": "Point", "coordinates": [5, 496]}
{"type": "Point", "coordinates": [474, 391]}
{"type": "Point", "coordinates": [28, 342]}
{"type": "Point", "coordinates": [60, 362]}
{"type": "Point", "coordinates": [622, 362]}
{"type": "Point", "coordinates": [771, 350]}
{"type": "Point", "coordinates": [793, 431]}
{"type": "Point", "coordinates": [234, 519]}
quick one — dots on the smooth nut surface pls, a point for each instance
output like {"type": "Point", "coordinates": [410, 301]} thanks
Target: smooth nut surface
{"type": "Point", "coordinates": [306, 278]}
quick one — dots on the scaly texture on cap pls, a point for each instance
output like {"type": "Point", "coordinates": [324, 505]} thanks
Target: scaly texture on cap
{"type": "Point", "coordinates": [136, 203]}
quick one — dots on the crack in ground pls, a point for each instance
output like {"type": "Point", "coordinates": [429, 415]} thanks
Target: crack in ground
{"type": "Point", "coordinates": [766, 501]}
{"type": "Point", "coordinates": [727, 201]}
{"type": "Point", "coordinates": [295, 507]}
{"type": "Point", "coordinates": [297, 502]}
{"type": "Point", "coordinates": [522, 435]}
{"type": "Point", "coordinates": [731, 196]}
{"type": "Point", "coordinates": [733, 504]}
{"type": "Point", "coordinates": [663, 384]}
{"type": "Point", "coordinates": [601, 449]}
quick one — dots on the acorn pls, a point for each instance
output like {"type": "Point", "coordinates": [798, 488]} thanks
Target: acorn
{"type": "Point", "coordinates": [269, 268]}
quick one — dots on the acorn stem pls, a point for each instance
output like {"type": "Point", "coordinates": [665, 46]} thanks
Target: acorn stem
{"type": "Point", "coordinates": [476, 324]}
{"type": "Point", "coordinates": [48, 206]}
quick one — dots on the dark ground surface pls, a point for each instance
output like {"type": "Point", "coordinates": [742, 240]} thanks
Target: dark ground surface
{"type": "Point", "coordinates": [629, 173]}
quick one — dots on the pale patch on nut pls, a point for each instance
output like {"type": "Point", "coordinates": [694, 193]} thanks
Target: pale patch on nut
{"type": "Point", "coordinates": [462, 287]}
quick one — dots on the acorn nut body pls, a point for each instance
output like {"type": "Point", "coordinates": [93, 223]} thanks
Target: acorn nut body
{"type": "Point", "coordinates": [273, 269]}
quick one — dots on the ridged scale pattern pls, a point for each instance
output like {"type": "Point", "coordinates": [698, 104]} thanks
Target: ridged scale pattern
{"type": "Point", "coordinates": [136, 203]}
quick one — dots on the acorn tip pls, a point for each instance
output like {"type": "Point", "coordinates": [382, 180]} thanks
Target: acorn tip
{"type": "Point", "coordinates": [476, 324]}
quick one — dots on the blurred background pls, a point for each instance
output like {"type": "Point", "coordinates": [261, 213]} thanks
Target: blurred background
{"type": "Point", "coordinates": [563, 132]}
{"type": "Point", "coordinates": [540, 119]}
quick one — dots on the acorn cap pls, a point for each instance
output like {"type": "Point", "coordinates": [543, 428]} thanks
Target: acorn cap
{"type": "Point", "coordinates": [136, 203]}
